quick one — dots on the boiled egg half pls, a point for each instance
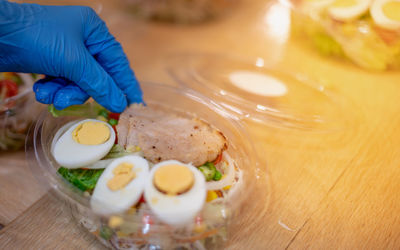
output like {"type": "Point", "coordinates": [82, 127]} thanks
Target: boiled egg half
{"type": "Point", "coordinates": [348, 10]}
{"type": "Point", "coordinates": [83, 143]}
{"type": "Point", "coordinates": [175, 192]}
{"type": "Point", "coordinates": [120, 186]}
{"type": "Point", "coordinates": [386, 14]}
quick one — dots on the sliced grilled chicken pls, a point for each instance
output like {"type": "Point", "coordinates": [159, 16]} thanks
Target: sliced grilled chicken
{"type": "Point", "coordinates": [163, 136]}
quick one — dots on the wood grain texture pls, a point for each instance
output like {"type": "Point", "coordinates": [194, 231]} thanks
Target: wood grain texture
{"type": "Point", "coordinates": [361, 210]}
{"type": "Point", "coordinates": [335, 189]}
{"type": "Point", "coordinates": [48, 224]}
{"type": "Point", "coordinates": [18, 187]}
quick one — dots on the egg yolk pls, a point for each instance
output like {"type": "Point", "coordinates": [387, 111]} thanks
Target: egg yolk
{"type": "Point", "coordinates": [91, 133]}
{"type": "Point", "coordinates": [173, 179]}
{"type": "Point", "coordinates": [392, 10]}
{"type": "Point", "coordinates": [344, 3]}
{"type": "Point", "coordinates": [123, 174]}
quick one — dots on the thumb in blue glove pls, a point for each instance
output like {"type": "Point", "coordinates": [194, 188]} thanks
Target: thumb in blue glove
{"type": "Point", "coordinates": [72, 46]}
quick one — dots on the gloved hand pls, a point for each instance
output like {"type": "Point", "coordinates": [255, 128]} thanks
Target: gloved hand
{"type": "Point", "coordinates": [73, 47]}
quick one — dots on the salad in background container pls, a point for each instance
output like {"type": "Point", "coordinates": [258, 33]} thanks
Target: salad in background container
{"type": "Point", "coordinates": [366, 32]}
{"type": "Point", "coordinates": [18, 108]}
{"type": "Point", "coordinates": [174, 174]}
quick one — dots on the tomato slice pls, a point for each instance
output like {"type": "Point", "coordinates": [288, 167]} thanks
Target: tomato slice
{"type": "Point", "coordinates": [218, 159]}
{"type": "Point", "coordinates": [11, 88]}
{"type": "Point", "coordinates": [116, 134]}
{"type": "Point", "coordinates": [388, 36]}
{"type": "Point", "coordinates": [142, 200]}
{"type": "Point", "coordinates": [114, 116]}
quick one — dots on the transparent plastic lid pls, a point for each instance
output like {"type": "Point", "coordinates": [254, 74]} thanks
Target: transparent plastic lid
{"type": "Point", "coordinates": [250, 88]}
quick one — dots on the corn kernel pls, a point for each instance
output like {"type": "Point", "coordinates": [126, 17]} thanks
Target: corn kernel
{"type": "Point", "coordinates": [115, 221]}
{"type": "Point", "coordinates": [227, 187]}
{"type": "Point", "coordinates": [121, 234]}
{"type": "Point", "coordinates": [211, 195]}
{"type": "Point", "coordinates": [199, 228]}
{"type": "Point", "coordinates": [101, 118]}
{"type": "Point", "coordinates": [131, 210]}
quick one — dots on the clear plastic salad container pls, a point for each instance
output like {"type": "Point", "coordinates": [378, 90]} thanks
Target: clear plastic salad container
{"type": "Point", "coordinates": [225, 211]}
{"type": "Point", "coordinates": [362, 32]}
{"type": "Point", "coordinates": [18, 109]}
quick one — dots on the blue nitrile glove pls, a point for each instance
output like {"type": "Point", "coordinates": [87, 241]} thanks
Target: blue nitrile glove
{"type": "Point", "coordinates": [73, 47]}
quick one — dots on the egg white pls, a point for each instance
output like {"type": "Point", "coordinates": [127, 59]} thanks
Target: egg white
{"type": "Point", "coordinates": [379, 16]}
{"type": "Point", "coordinates": [104, 201]}
{"type": "Point", "coordinates": [71, 154]}
{"type": "Point", "coordinates": [179, 209]}
{"type": "Point", "coordinates": [315, 5]}
{"type": "Point", "coordinates": [349, 13]}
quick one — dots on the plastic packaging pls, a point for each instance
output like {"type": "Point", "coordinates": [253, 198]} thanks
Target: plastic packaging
{"type": "Point", "coordinates": [16, 114]}
{"type": "Point", "coordinates": [252, 89]}
{"type": "Point", "coordinates": [142, 229]}
{"type": "Point", "coordinates": [359, 40]}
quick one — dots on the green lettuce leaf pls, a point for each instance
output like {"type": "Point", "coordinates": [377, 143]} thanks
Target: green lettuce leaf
{"type": "Point", "coordinates": [84, 179]}
{"type": "Point", "coordinates": [85, 110]}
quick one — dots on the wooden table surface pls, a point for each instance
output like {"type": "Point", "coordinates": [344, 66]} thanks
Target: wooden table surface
{"type": "Point", "coordinates": [328, 190]}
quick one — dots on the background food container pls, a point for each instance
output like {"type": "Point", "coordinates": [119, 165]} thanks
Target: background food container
{"type": "Point", "coordinates": [143, 230]}
{"type": "Point", "coordinates": [358, 40]}
{"type": "Point", "coordinates": [180, 11]}
{"type": "Point", "coordinates": [16, 113]}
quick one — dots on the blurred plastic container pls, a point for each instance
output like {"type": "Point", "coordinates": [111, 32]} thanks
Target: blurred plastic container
{"type": "Point", "coordinates": [18, 109]}
{"type": "Point", "coordinates": [142, 229]}
{"type": "Point", "coordinates": [351, 32]}
{"type": "Point", "coordinates": [179, 11]}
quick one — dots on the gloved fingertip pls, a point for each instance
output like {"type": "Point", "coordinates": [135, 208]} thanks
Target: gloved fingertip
{"type": "Point", "coordinates": [118, 105]}
{"type": "Point", "coordinates": [46, 88]}
{"type": "Point", "coordinates": [133, 92]}
{"type": "Point", "coordinates": [70, 95]}
{"type": "Point", "coordinates": [60, 104]}
{"type": "Point", "coordinates": [136, 98]}
{"type": "Point", "coordinates": [38, 84]}
{"type": "Point", "coordinates": [61, 100]}
{"type": "Point", "coordinates": [43, 96]}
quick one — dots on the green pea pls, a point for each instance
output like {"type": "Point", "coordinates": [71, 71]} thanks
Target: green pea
{"type": "Point", "coordinates": [113, 122]}
{"type": "Point", "coordinates": [217, 176]}
{"type": "Point", "coordinates": [106, 232]}
{"type": "Point", "coordinates": [103, 113]}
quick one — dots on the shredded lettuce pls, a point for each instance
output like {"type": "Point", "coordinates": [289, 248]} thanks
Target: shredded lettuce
{"type": "Point", "coordinates": [366, 49]}
{"type": "Point", "coordinates": [210, 172]}
{"type": "Point", "coordinates": [89, 109]}
{"type": "Point", "coordinates": [326, 45]}
{"type": "Point", "coordinates": [84, 179]}
{"type": "Point", "coordinates": [119, 151]}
